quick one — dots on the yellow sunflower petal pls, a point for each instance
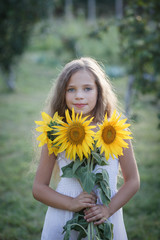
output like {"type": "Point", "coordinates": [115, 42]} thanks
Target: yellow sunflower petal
{"type": "Point", "coordinates": [114, 115]}
{"type": "Point", "coordinates": [111, 135]}
{"type": "Point", "coordinates": [106, 117]}
{"type": "Point", "coordinates": [46, 117]}
{"type": "Point", "coordinates": [41, 137]}
{"type": "Point", "coordinates": [122, 121]}
{"type": "Point", "coordinates": [79, 152]}
{"type": "Point", "coordinates": [62, 148]}
{"type": "Point", "coordinates": [69, 151]}
{"type": "Point", "coordinates": [43, 128]}
{"type": "Point", "coordinates": [39, 122]}
{"type": "Point", "coordinates": [68, 118]}
{"type": "Point", "coordinates": [75, 136]}
{"type": "Point", "coordinates": [115, 118]}
{"type": "Point", "coordinates": [107, 155]}
{"type": "Point", "coordinates": [74, 151]}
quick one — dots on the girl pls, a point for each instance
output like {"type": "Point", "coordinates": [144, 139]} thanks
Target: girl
{"type": "Point", "coordinates": [83, 85]}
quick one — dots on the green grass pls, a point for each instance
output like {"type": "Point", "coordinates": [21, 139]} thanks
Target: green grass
{"type": "Point", "coordinates": [142, 212]}
{"type": "Point", "coordinates": [21, 217]}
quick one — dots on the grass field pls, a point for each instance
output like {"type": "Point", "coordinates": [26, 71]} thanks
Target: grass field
{"type": "Point", "coordinates": [21, 217]}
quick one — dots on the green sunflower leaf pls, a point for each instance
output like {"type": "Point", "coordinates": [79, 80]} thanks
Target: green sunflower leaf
{"type": "Point", "coordinates": [105, 176]}
{"type": "Point", "coordinates": [68, 171]}
{"type": "Point", "coordinates": [77, 223]}
{"type": "Point", "coordinates": [77, 164]}
{"type": "Point", "coordinates": [99, 178]}
{"type": "Point", "coordinates": [106, 230]}
{"type": "Point", "coordinates": [86, 178]}
{"type": "Point", "coordinates": [106, 190]}
{"type": "Point", "coordinates": [101, 160]}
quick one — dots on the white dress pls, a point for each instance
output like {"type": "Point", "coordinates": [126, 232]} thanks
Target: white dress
{"type": "Point", "coordinates": [56, 218]}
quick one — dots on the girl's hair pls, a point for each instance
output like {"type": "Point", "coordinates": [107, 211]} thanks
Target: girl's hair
{"type": "Point", "coordinates": [106, 100]}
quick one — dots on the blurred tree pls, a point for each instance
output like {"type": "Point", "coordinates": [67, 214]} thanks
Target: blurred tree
{"type": "Point", "coordinates": [140, 38]}
{"type": "Point", "coordinates": [69, 9]}
{"type": "Point", "coordinates": [89, 8]}
{"type": "Point", "coordinates": [91, 11]}
{"type": "Point", "coordinates": [119, 9]}
{"type": "Point", "coordinates": [17, 19]}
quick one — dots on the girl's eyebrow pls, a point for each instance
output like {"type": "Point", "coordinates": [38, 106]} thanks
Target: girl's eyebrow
{"type": "Point", "coordinates": [84, 85]}
{"type": "Point", "coordinates": [89, 84]}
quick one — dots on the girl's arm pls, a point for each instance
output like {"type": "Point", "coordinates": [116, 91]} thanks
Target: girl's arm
{"type": "Point", "coordinates": [43, 193]}
{"type": "Point", "coordinates": [130, 186]}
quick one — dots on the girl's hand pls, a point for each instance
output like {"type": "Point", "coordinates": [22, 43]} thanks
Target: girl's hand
{"type": "Point", "coordinates": [97, 214]}
{"type": "Point", "coordinates": [83, 200]}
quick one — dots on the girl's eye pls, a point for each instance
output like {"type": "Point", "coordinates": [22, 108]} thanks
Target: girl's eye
{"type": "Point", "coordinates": [87, 89]}
{"type": "Point", "coordinates": [70, 90]}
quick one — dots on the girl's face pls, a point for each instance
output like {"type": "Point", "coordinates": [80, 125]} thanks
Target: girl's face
{"type": "Point", "coordinates": [81, 92]}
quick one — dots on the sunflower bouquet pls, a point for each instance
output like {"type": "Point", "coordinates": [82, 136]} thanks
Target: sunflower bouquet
{"type": "Point", "coordinates": [87, 149]}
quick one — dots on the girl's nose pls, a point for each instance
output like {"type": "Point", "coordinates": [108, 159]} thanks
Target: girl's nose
{"type": "Point", "coordinates": [79, 94]}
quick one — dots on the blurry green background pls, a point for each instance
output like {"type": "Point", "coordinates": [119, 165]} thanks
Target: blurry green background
{"type": "Point", "coordinates": [36, 39]}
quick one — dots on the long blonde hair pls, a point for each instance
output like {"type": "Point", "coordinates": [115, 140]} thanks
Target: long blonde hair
{"type": "Point", "coordinates": [106, 100]}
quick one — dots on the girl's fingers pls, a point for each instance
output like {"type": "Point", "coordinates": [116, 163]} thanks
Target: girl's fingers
{"type": "Point", "coordinates": [97, 219]}
{"type": "Point", "coordinates": [95, 214]}
{"type": "Point", "coordinates": [94, 218]}
{"type": "Point", "coordinates": [91, 214]}
{"type": "Point", "coordinates": [90, 205]}
{"type": "Point", "coordinates": [100, 221]}
{"type": "Point", "coordinates": [91, 210]}
{"type": "Point", "coordinates": [94, 197]}
{"type": "Point", "coordinates": [87, 198]}
{"type": "Point", "coordinates": [91, 195]}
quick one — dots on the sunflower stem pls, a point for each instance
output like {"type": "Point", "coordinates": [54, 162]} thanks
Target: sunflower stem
{"type": "Point", "coordinates": [73, 224]}
{"type": "Point", "coordinates": [89, 231]}
{"type": "Point", "coordinates": [91, 164]}
{"type": "Point", "coordinates": [92, 159]}
{"type": "Point", "coordinates": [88, 165]}
{"type": "Point", "coordinates": [98, 236]}
{"type": "Point", "coordinates": [92, 231]}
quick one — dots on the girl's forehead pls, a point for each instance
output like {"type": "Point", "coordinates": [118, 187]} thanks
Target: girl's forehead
{"type": "Point", "coordinates": [83, 77]}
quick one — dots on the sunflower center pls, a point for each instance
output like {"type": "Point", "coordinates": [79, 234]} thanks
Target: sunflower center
{"type": "Point", "coordinates": [109, 134]}
{"type": "Point", "coordinates": [76, 134]}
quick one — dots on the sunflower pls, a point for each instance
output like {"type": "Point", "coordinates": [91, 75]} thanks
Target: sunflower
{"type": "Point", "coordinates": [47, 126]}
{"type": "Point", "coordinates": [111, 135]}
{"type": "Point", "coordinates": [75, 136]}
{"type": "Point", "coordinates": [51, 147]}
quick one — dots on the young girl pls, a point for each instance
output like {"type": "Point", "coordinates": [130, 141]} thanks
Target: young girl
{"type": "Point", "coordinates": [83, 85]}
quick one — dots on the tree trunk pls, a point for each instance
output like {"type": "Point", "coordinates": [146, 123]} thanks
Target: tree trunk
{"type": "Point", "coordinates": [9, 78]}
{"type": "Point", "coordinates": [119, 9]}
{"type": "Point", "coordinates": [68, 9]}
{"type": "Point", "coordinates": [129, 94]}
{"type": "Point", "coordinates": [91, 11]}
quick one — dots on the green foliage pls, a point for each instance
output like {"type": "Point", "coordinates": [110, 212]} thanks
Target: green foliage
{"type": "Point", "coordinates": [66, 40]}
{"type": "Point", "coordinates": [79, 224]}
{"type": "Point", "coordinates": [103, 8]}
{"type": "Point", "coordinates": [140, 37]}
{"type": "Point", "coordinates": [102, 183]}
{"type": "Point", "coordinates": [89, 181]}
{"type": "Point", "coordinates": [17, 20]}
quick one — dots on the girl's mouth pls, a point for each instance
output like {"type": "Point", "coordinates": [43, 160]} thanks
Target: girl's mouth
{"type": "Point", "coordinates": [79, 105]}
